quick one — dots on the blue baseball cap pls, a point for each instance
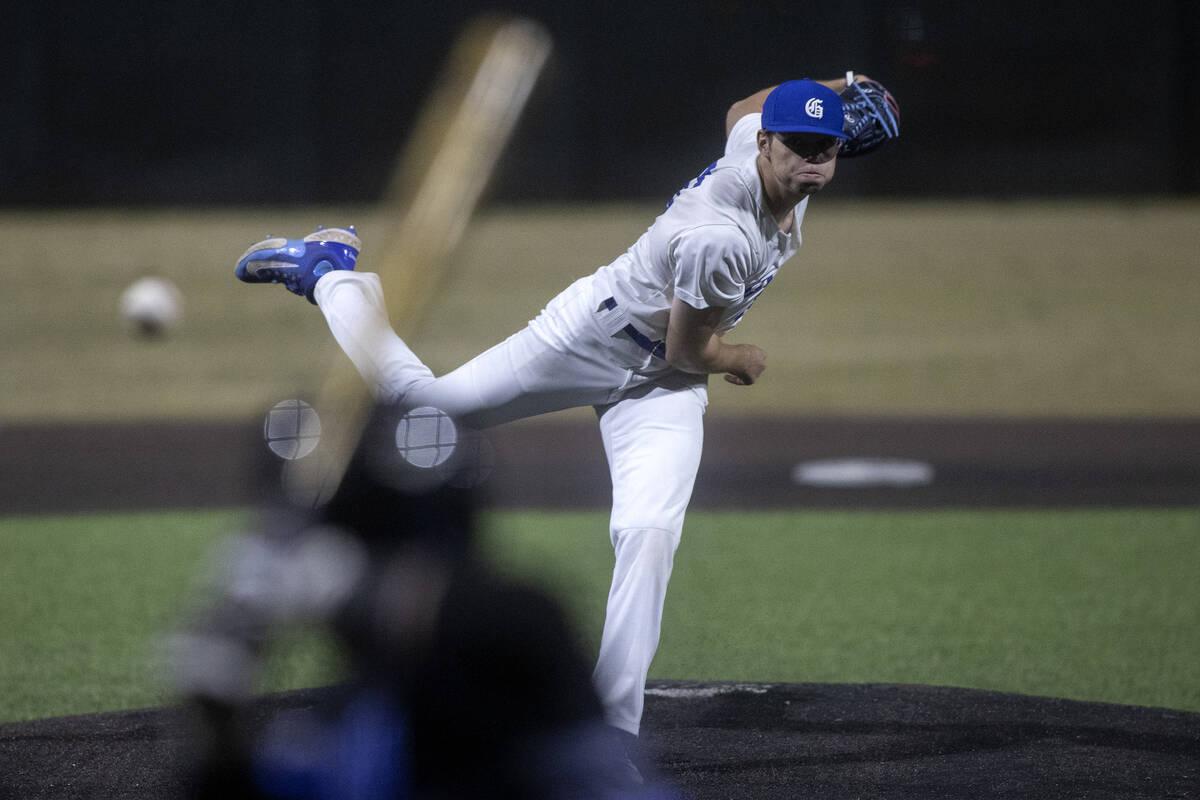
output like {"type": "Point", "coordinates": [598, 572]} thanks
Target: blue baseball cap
{"type": "Point", "coordinates": [803, 106]}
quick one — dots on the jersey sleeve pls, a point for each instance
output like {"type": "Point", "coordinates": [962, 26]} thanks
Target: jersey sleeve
{"type": "Point", "coordinates": [711, 263]}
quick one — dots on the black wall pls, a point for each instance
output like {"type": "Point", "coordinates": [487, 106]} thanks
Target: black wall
{"type": "Point", "coordinates": [309, 100]}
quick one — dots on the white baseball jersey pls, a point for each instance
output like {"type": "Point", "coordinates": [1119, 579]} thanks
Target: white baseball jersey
{"type": "Point", "coordinates": [716, 244]}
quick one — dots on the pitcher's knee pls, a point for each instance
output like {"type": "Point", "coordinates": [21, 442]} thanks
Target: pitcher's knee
{"type": "Point", "coordinates": [660, 515]}
{"type": "Point", "coordinates": [647, 542]}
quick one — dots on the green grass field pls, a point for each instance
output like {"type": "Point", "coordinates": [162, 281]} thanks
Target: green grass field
{"type": "Point", "coordinates": [1094, 605]}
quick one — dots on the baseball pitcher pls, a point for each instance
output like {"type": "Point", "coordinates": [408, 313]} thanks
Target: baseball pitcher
{"type": "Point", "coordinates": [636, 340]}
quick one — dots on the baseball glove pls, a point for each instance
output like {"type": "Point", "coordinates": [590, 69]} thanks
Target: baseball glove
{"type": "Point", "coordinates": [871, 117]}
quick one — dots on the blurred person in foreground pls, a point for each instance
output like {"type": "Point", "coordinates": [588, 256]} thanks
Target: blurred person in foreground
{"type": "Point", "coordinates": [636, 339]}
{"type": "Point", "coordinates": [459, 684]}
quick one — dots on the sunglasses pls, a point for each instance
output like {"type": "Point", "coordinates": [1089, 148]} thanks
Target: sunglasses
{"type": "Point", "coordinates": [809, 145]}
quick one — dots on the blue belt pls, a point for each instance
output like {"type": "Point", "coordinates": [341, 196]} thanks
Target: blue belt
{"type": "Point", "coordinates": [651, 346]}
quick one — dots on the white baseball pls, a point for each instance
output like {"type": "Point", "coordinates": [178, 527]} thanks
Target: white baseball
{"type": "Point", "coordinates": [151, 306]}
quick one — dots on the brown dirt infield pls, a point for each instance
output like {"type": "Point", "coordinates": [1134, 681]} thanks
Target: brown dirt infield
{"type": "Point", "coordinates": [748, 463]}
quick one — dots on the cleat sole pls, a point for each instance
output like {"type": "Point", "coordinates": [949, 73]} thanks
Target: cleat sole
{"type": "Point", "coordinates": [335, 235]}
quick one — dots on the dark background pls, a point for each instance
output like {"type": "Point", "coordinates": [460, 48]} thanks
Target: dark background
{"type": "Point", "coordinates": [309, 101]}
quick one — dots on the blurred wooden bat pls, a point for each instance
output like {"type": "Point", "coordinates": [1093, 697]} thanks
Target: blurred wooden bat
{"type": "Point", "coordinates": [466, 123]}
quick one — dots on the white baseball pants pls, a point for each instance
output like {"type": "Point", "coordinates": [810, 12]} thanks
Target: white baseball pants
{"type": "Point", "coordinates": [651, 425]}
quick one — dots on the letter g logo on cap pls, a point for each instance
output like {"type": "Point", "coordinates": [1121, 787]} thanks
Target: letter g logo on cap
{"type": "Point", "coordinates": [814, 109]}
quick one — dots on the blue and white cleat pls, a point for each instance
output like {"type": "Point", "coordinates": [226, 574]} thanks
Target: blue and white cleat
{"type": "Point", "coordinates": [298, 263]}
